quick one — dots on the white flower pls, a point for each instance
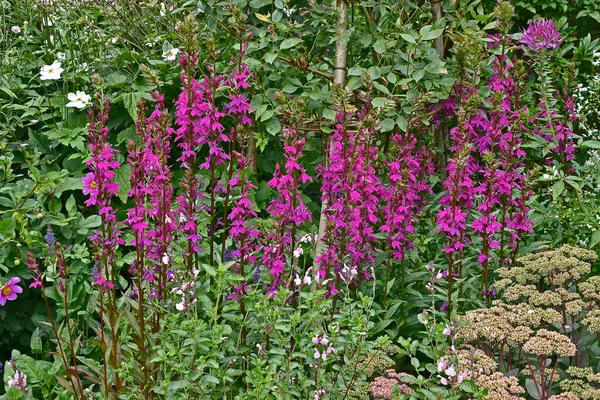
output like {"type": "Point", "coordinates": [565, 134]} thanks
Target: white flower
{"type": "Point", "coordinates": [170, 54]}
{"type": "Point", "coordinates": [289, 11]}
{"type": "Point", "coordinates": [317, 355]}
{"type": "Point", "coordinates": [307, 280]}
{"type": "Point", "coordinates": [450, 371]}
{"type": "Point", "coordinates": [15, 29]}
{"type": "Point", "coordinates": [113, 40]}
{"type": "Point", "coordinates": [297, 281]}
{"type": "Point", "coordinates": [298, 252]}
{"type": "Point", "coordinates": [49, 72]}
{"type": "Point", "coordinates": [78, 99]}
{"type": "Point", "coordinates": [180, 306]}
{"type": "Point", "coordinates": [443, 380]}
{"type": "Point", "coordinates": [324, 340]}
{"type": "Point", "coordinates": [60, 56]}
{"type": "Point", "coordinates": [441, 366]}
{"type": "Point", "coordinates": [165, 258]}
{"type": "Point", "coordinates": [446, 331]}
{"type": "Point", "coordinates": [82, 67]}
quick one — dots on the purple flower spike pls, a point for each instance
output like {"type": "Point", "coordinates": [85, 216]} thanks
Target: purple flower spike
{"type": "Point", "coordinates": [541, 34]}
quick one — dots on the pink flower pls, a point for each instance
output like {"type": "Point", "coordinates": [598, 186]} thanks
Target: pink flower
{"type": "Point", "coordinates": [19, 381]}
{"type": "Point", "coordinates": [10, 290]}
{"type": "Point", "coordinates": [541, 34]}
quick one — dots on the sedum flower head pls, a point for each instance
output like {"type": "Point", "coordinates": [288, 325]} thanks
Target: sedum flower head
{"type": "Point", "coordinates": [500, 387]}
{"type": "Point", "coordinates": [547, 343]}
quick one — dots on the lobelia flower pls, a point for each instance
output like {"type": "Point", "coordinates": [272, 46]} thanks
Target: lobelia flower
{"type": "Point", "coordinates": [78, 99]}
{"type": "Point", "coordinates": [541, 34]}
{"type": "Point", "coordinates": [9, 291]}
{"type": "Point", "coordinates": [288, 210]}
{"type": "Point", "coordinates": [353, 190]}
{"type": "Point", "coordinates": [51, 72]}
{"type": "Point", "coordinates": [171, 54]}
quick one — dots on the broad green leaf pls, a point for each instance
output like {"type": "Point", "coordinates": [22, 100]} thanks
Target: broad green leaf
{"type": "Point", "coordinates": [288, 43]}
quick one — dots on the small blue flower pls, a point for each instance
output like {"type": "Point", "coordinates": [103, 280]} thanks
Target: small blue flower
{"type": "Point", "coordinates": [50, 238]}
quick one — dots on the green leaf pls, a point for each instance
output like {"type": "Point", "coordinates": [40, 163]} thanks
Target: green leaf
{"type": "Point", "coordinates": [595, 239]}
{"type": "Point", "coordinates": [532, 389]}
{"type": "Point", "coordinates": [122, 177]}
{"type": "Point", "coordinates": [36, 342]}
{"type": "Point", "coordinates": [7, 227]}
{"type": "Point", "coordinates": [432, 34]}
{"type": "Point", "coordinates": [388, 125]}
{"type": "Point", "coordinates": [469, 386]}
{"type": "Point", "coordinates": [93, 221]}
{"type": "Point", "coordinates": [408, 37]}
{"type": "Point", "coordinates": [267, 115]}
{"type": "Point", "coordinates": [380, 46]}
{"type": "Point", "coordinates": [273, 126]}
{"type": "Point", "coordinates": [557, 189]}
{"type": "Point", "coordinates": [590, 144]}
{"type": "Point", "coordinates": [131, 100]}
{"type": "Point", "coordinates": [289, 88]}
{"type": "Point", "coordinates": [291, 42]}
{"type": "Point", "coordinates": [415, 362]}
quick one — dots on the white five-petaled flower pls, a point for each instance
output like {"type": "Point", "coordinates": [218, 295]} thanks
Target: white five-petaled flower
{"type": "Point", "coordinates": [49, 72]}
{"type": "Point", "coordinates": [170, 54]}
{"type": "Point", "coordinates": [15, 29]}
{"type": "Point", "coordinates": [78, 99]}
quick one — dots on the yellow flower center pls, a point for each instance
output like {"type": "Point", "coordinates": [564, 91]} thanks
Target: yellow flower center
{"type": "Point", "coordinates": [6, 290]}
{"type": "Point", "coordinates": [93, 185]}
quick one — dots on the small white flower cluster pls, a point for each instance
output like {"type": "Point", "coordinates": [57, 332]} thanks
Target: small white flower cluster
{"type": "Point", "coordinates": [309, 238]}
{"type": "Point", "coordinates": [186, 289]}
{"type": "Point", "coordinates": [318, 394]}
{"type": "Point", "coordinates": [348, 274]}
{"type": "Point", "coordinates": [322, 340]}
{"type": "Point", "coordinates": [450, 372]}
{"type": "Point", "coordinates": [298, 252]}
{"type": "Point", "coordinates": [596, 60]}
{"type": "Point", "coordinates": [307, 280]}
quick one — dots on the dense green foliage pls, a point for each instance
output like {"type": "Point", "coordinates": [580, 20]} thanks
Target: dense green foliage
{"type": "Point", "coordinates": [239, 332]}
